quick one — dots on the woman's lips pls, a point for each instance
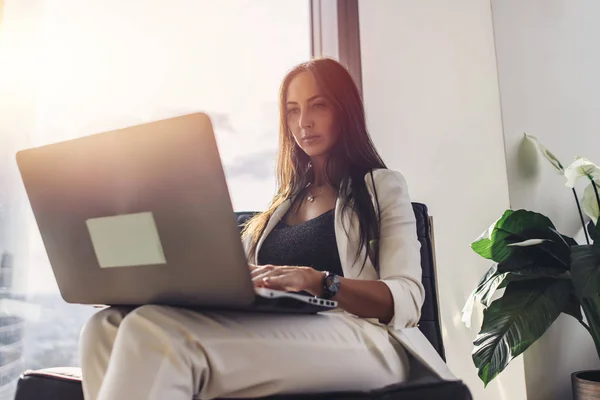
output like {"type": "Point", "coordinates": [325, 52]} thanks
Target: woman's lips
{"type": "Point", "coordinates": [310, 139]}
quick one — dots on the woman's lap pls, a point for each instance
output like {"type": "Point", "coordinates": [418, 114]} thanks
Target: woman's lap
{"type": "Point", "coordinates": [245, 355]}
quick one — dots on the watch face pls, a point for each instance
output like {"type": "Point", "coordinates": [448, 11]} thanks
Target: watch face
{"type": "Point", "coordinates": [333, 283]}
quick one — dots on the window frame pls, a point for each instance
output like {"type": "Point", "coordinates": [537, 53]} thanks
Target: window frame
{"type": "Point", "coordinates": [336, 33]}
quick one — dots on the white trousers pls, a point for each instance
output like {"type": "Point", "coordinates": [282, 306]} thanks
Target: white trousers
{"type": "Point", "coordinates": [159, 352]}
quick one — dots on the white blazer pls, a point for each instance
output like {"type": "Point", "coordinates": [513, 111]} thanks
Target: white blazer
{"type": "Point", "coordinates": [399, 261]}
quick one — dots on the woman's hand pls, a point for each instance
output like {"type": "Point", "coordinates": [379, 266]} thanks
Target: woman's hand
{"type": "Point", "coordinates": [364, 298]}
{"type": "Point", "coordinates": [287, 278]}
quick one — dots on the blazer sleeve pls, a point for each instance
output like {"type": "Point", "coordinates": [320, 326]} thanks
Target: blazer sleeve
{"type": "Point", "coordinates": [399, 248]}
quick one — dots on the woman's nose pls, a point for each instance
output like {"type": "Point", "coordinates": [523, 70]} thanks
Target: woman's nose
{"type": "Point", "coordinates": [306, 120]}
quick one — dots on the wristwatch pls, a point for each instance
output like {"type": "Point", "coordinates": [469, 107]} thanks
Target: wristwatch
{"type": "Point", "coordinates": [331, 285]}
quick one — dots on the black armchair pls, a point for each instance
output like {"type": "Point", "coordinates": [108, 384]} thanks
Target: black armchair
{"type": "Point", "coordinates": [65, 383]}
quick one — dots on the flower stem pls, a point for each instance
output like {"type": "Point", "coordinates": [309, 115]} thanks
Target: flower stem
{"type": "Point", "coordinates": [597, 196]}
{"type": "Point", "coordinates": [587, 238]}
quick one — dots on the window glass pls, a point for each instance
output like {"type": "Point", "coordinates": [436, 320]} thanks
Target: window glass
{"type": "Point", "coordinates": [70, 68]}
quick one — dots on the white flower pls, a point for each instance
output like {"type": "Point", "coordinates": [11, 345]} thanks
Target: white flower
{"type": "Point", "coordinates": [581, 167]}
{"type": "Point", "coordinates": [589, 203]}
{"type": "Point", "coordinates": [549, 156]}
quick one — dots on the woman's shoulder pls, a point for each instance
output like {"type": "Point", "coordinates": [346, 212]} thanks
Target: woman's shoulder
{"type": "Point", "coordinates": [385, 178]}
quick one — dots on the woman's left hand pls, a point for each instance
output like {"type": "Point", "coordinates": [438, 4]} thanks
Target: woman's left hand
{"type": "Point", "coordinates": [287, 278]}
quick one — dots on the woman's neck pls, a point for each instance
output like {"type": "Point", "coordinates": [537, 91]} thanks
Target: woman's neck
{"type": "Point", "coordinates": [318, 167]}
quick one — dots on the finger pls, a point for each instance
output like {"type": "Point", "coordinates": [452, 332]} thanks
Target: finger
{"type": "Point", "coordinates": [261, 280]}
{"type": "Point", "coordinates": [275, 283]}
{"type": "Point", "coordinates": [254, 271]}
{"type": "Point", "coordinates": [258, 284]}
{"type": "Point", "coordinates": [260, 269]}
{"type": "Point", "coordinates": [268, 273]}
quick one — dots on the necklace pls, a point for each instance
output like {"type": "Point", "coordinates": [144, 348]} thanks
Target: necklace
{"type": "Point", "coordinates": [311, 196]}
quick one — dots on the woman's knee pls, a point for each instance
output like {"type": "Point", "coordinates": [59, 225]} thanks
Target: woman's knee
{"type": "Point", "coordinates": [154, 325]}
{"type": "Point", "coordinates": [146, 319]}
{"type": "Point", "coordinates": [101, 326]}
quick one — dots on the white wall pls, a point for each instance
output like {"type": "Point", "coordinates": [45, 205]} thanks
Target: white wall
{"type": "Point", "coordinates": [431, 93]}
{"type": "Point", "coordinates": [548, 64]}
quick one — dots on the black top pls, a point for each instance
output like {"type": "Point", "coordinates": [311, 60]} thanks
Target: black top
{"type": "Point", "coordinates": [309, 244]}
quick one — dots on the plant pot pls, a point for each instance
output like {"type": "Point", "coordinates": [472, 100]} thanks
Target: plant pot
{"type": "Point", "coordinates": [586, 385]}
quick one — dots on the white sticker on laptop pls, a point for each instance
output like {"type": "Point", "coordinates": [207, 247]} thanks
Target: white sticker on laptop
{"type": "Point", "coordinates": [126, 240]}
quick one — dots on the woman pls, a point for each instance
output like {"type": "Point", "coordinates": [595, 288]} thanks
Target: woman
{"type": "Point", "coordinates": [340, 226]}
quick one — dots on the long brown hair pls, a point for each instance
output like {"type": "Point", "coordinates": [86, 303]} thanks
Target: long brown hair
{"type": "Point", "coordinates": [352, 156]}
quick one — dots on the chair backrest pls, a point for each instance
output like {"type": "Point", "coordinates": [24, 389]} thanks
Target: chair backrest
{"type": "Point", "coordinates": [430, 320]}
{"type": "Point", "coordinates": [430, 323]}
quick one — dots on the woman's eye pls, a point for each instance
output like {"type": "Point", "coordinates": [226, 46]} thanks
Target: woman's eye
{"type": "Point", "coordinates": [292, 111]}
{"type": "Point", "coordinates": [318, 105]}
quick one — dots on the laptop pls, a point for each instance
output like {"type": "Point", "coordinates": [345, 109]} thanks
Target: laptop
{"type": "Point", "coordinates": [142, 215]}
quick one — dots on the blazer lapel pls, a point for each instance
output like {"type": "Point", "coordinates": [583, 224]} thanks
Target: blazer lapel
{"type": "Point", "coordinates": [340, 234]}
{"type": "Point", "coordinates": [274, 220]}
{"type": "Point", "coordinates": [347, 243]}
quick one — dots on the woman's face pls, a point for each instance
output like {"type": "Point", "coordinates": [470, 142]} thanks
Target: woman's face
{"type": "Point", "coordinates": [310, 116]}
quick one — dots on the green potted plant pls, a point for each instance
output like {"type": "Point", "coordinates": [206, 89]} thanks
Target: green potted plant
{"type": "Point", "coordinates": [543, 273]}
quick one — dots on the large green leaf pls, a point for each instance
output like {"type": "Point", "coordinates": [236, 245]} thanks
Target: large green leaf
{"type": "Point", "coordinates": [593, 231]}
{"type": "Point", "coordinates": [525, 240]}
{"type": "Point", "coordinates": [497, 282]}
{"type": "Point", "coordinates": [483, 244]}
{"type": "Point", "coordinates": [585, 269]}
{"type": "Point", "coordinates": [530, 265]}
{"type": "Point", "coordinates": [573, 306]}
{"type": "Point", "coordinates": [569, 241]}
{"type": "Point", "coordinates": [494, 280]}
{"type": "Point", "coordinates": [516, 320]}
{"type": "Point", "coordinates": [519, 226]}
{"type": "Point", "coordinates": [591, 309]}
{"type": "Point", "coordinates": [551, 251]}
{"type": "Point", "coordinates": [512, 277]}
{"type": "Point", "coordinates": [483, 292]}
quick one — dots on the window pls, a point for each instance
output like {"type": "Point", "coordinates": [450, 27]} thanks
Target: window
{"type": "Point", "coordinates": [70, 68]}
